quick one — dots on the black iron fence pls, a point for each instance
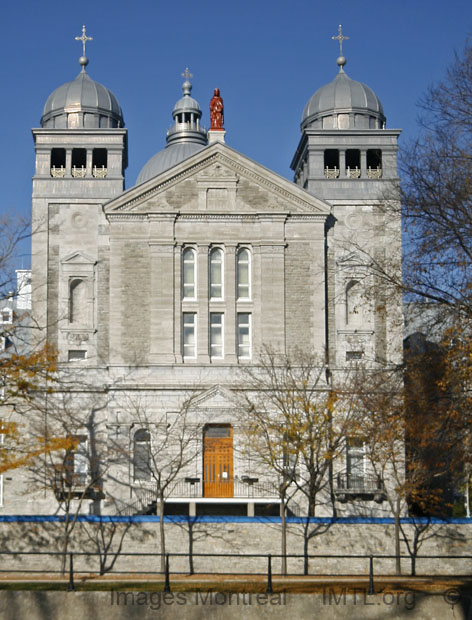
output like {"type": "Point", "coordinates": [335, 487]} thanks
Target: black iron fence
{"type": "Point", "coordinates": [132, 564]}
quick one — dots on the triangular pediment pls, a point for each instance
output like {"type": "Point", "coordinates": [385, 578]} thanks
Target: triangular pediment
{"type": "Point", "coordinates": [216, 397]}
{"type": "Point", "coordinates": [78, 258]}
{"type": "Point", "coordinates": [221, 180]}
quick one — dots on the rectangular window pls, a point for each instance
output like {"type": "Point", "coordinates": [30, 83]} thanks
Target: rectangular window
{"type": "Point", "coordinates": [216, 335]}
{"type": "Point", "coordinates": [77, 356]}
{"type": "Point", "coordinates": [7, 315]}
{"type": "Point", "coordinates": [189, 340]}
{"type": "Point", "coordinates": [354, 355]}
{"type": "Point", "coordinates": [244, 335]}
{"type": "Point", "coordinates": [77, 463]}
{"type": "Point", "coordinates": [355, 461]}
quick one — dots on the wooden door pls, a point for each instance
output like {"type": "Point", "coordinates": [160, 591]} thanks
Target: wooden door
{"type": "Point", "coordinates": [218, 460]}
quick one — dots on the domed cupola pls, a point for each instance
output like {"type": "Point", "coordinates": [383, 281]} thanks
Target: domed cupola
{"type": "Point", "coordinates": [82, 103]}
{"type": "Point", "coordinates": [185, 136]}
{"type": "Point", "coordinates": [345, 151]}
{"type": "Point", "coordinates": [343, 104]}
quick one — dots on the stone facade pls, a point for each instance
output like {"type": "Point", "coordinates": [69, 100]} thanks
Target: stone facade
{"type": "Point", "coordinates": [123, 286]}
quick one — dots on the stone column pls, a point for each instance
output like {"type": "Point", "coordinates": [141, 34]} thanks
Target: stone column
{"type": "Point", "coordinates": [364, 163]}
{"type": "Point", "coordinates": [342, 163]}
{"type": "Point", "coordinates": [68, 162]}
{"type": "Point", "coordinates": [88, 163]}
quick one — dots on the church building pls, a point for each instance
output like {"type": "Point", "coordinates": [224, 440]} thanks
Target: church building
{"type": "Point", "coordinates": [158, 294]}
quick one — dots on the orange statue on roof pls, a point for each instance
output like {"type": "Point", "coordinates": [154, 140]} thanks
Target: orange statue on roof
{"type": "Point", "coordinates": [216, 111]}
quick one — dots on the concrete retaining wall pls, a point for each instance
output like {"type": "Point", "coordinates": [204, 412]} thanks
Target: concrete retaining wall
{"type": "Point", "coordinates": [187, 606]}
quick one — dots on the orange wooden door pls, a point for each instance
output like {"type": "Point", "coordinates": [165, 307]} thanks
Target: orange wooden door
{"type": "Point", "coordinates": [218, 461]}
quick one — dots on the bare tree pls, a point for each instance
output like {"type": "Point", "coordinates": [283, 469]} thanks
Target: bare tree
{"type": "Point", "coordinates": [165, 445]}
{"type": "Point", "coordinates": [73, 475]}
{"type": "Point", "coordinates": [295, 422]}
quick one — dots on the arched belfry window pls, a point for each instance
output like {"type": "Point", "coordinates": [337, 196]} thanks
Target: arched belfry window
{"type": "Point", "coordinates": [244, 274]}
{"type": "Point", "coordinates": [216, 274]}
{"type": "Point", "coordinates": [142, 455]}
{"type": "Point", "coordinates": [78, 302]}
{"type": "Point", "coordinates": [189, 274]}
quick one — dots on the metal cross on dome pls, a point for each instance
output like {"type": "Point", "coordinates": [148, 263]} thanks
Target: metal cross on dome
{"type": "Point", "coordinates": [186, 74]}
{"type": "Point", "coordinates": [340, 38]}
{"type": "Point", "coordinates": [84, 38]}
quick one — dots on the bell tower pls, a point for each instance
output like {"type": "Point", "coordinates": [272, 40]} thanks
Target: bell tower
{"type": "Point", "coordinates": [81, 156]}
{"type": "Point", "coordinates": [348, 157]}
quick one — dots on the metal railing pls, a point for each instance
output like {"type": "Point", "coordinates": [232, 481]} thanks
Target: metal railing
{"type": "Point", "coordinates": [193, 488]}
{"type": "Point", "coordinates": [359, 484]}
{"type": "Point", "coordinates": [72, 564]}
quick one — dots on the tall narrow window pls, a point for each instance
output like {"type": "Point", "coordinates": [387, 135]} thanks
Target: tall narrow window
{"type": "Point", "coordinates": [355, 462]}
{"type": "Point", "coordinates": [78, 302]}
{"type": "Point", "coordinates": [142, 455]}
{"type": "Point", "coordinates": [354, 303]}
{"type": "Point", "coordinates": [244, 335]}
{"type": "Point", "coordinates": [99, 163]}
{"type": "Point", "coordinates": [58, 162]}
{"type": "Point", "coordinates": [216, 274]}
{"type": "Point", "coordinates": [331, 163]}
{"type": "Point", "coordinates": [79, 162]}
{"type": "Point", "coordinates": [216, 335]}
{"type": "Point", "coordinates": [77, 463]}
{"type": "Point", "coordinates": [189, 340]}
{"type": "Point", "coordinates": [188, 274]}
{"type": "Point", "coordinates": [244, 274]}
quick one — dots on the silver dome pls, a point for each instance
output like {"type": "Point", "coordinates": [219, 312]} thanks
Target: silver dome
{"type": "Point", "coordinates": [170, 156]}
{"type": "Point", "coordinates": [82, 103]}
{"type": "Point", "coordinates": [355, 102]}
{"type": "Point", "coordinates": [186, 103]}
{"type": "Point", "coordinates": [185, 137]}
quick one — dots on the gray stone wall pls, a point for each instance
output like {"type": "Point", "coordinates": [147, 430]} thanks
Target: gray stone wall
{"type": "Point", "coordinates": [233, 537]}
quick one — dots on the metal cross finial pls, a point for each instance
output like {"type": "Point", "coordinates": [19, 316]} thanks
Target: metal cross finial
{"type": "Point", "coordinates": [84, 38]}
{"type": "Point", "coordinates": [340, 38]}
{"type": "Point", "coordinates": [186, 74]}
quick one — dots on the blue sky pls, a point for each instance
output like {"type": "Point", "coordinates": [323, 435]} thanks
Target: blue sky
{"type": "Point", "coordinates": [267, 57]}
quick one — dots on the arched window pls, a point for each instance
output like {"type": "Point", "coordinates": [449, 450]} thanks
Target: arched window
{"type": "Point", "coordinates": [142, 455]}
{"type": "Point", "coordinates": [216, 274]}
{"type": "Point", "coordinates": [354, 303]}
{"type": "Point", "coordinates": [78, 302]}
{"type": "Point", "coordinates": [244, 274]}
{"type": "Point", "coordinates": [189, 274]}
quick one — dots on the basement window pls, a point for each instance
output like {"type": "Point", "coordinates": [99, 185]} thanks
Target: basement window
{"type": "Point", "coordinates": [76, 355]}
{"type": "Point", "coordinates": [354, 355]}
